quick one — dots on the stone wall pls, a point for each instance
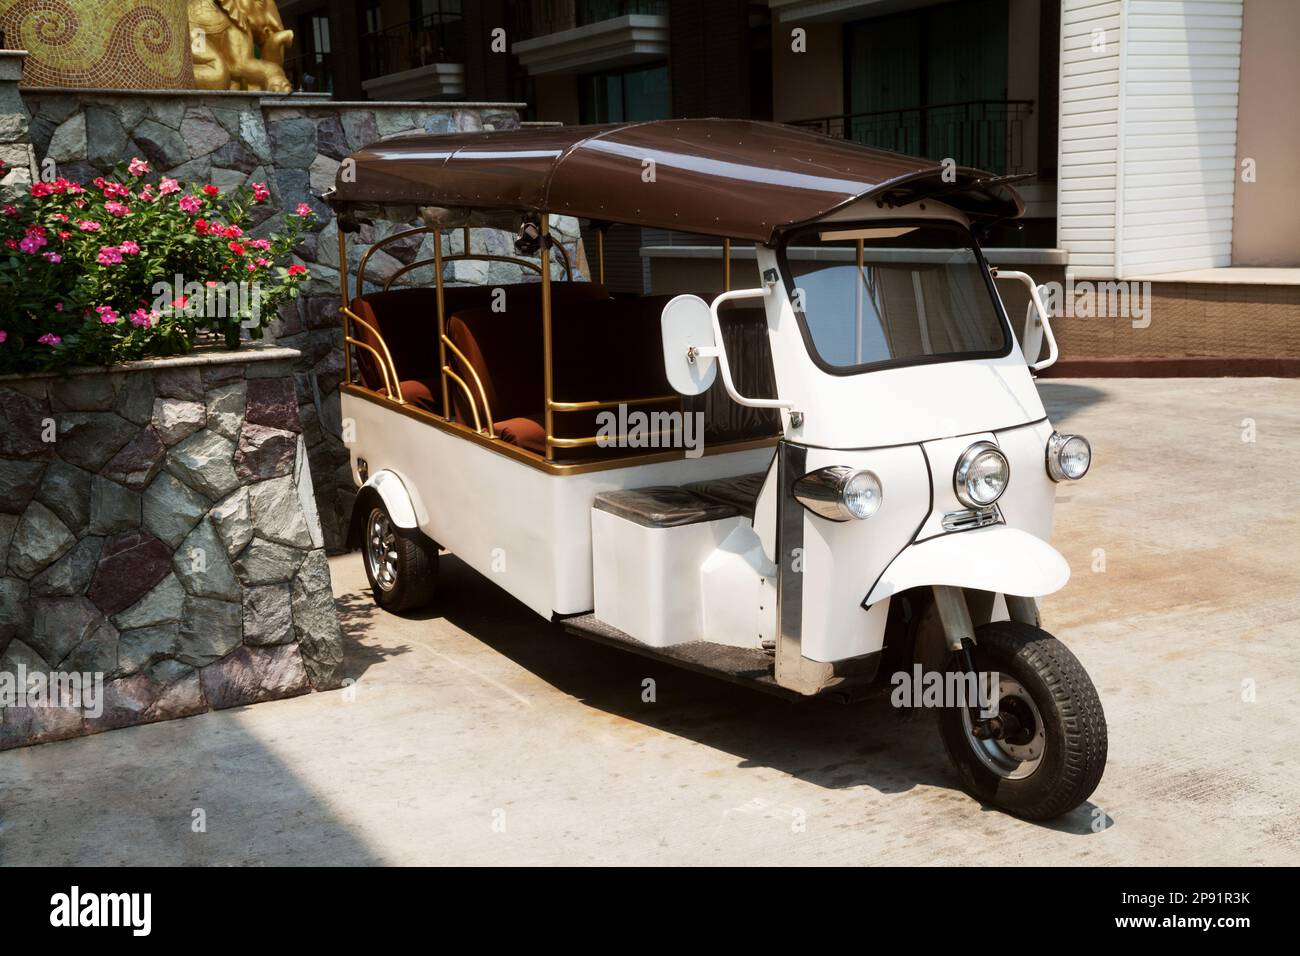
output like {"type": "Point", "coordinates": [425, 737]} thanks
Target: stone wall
{"type": "Point", "coordinates": [294, 144]}
{"type": "Point", "coordinates": [158, 528]}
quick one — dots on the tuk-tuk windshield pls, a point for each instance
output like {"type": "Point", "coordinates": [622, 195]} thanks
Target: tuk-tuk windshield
{"type": "Point", "coordinates": [892, 293]}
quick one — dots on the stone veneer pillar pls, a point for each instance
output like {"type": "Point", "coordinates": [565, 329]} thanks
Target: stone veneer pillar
{"type": "Point", "coordinates": [16, 150]}
{"type": "Point", "coordinates": [158, 528]}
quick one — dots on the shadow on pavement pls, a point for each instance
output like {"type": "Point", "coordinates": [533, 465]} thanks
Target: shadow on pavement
{"type": "Point", "coordinates": [833, 745]}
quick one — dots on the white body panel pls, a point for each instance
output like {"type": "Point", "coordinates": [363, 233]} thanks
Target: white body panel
{"type": "Point", "coordinates": [647, 580]}
{"type": "Point", "coordinates": [524, 529]}
{"type": "Point", "coordinates": [738, 591]}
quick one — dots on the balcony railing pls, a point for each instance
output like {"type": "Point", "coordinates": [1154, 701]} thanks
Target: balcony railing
{"type": "Point", "coordinates": [535, 18]}
{"type": "Point", "coordinates": [987, 134]}
{"type": "Point", "coordinates": [432, 38]}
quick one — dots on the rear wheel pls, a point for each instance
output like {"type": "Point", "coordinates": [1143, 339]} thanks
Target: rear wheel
{"type": "Point", "coordinates": [401, 564]}
{"type": "Point", "coordinates": [1050, 748]}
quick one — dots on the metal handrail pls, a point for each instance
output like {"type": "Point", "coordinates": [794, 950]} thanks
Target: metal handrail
{"type": "Point", "coordinates": [350, 316]}
{"type": "Point", "coordinates": [478, 425]}
{"type": "Point", "coordinates": [487, 409]}
{"type": "Point", "coordinates": [589, 406]}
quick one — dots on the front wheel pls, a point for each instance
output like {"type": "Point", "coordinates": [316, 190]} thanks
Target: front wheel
{"type": "Point", "coordinates": [1049, 749]}
{"type": "Point", "coordinates": [402, 565]}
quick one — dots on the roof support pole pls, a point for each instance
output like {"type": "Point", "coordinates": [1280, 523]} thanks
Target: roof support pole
{"type": "Point", "coordinates": [343, 305]}
{"type": "Point", "coordinates": [442, 323]}
{"type": "Point", "coordinates": [726, 265]}
{"type": "Point", "coordinates": [600, 252]}
{"type": "Point", "coordinates": [544, 258]}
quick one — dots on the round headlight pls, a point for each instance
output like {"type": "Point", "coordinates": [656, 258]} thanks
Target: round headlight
{"type": "Point", "coordinates": [1068, 457]}
{"type": "Point", "coordinates": [981, 475]}
{"type": "Point", "coordinates": [839, 493]}
{"type": "Point", "coordinates": [860, 495]}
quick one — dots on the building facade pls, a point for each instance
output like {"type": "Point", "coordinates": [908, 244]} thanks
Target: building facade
{"type": "Point", "coordinates": [1156, 137]}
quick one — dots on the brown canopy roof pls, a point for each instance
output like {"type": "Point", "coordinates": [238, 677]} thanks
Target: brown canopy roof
{"type": "Point", "coordinates": [733, 178]}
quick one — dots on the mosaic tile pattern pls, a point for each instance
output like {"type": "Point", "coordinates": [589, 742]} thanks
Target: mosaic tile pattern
{"type": "Point", "coordinates": [110, 44]}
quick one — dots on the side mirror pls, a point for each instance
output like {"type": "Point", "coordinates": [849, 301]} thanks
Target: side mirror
{"type": "Point", "coordinates": [689, 347]}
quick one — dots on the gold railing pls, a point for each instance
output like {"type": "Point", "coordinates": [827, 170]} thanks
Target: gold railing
{"type": "Point", "coordinates": [476, 393]}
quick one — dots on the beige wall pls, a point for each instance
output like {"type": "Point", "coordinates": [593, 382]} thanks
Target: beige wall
{"type": "Point", "coordinates": [1266, 212]}
{"type": "Point", "coordinates": [809, 84]}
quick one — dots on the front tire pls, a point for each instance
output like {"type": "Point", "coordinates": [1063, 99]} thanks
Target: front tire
{"type": "Point", "coordinates": [1055, 758]}
{"type": "Point", "coordinates": [401, 564]}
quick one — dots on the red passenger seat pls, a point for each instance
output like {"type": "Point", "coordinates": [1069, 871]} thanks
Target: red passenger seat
{"type": "Point", "coordinates": [603, 350]}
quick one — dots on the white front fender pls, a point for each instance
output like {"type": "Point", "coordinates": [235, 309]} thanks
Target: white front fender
{"type": "Point", "coordinates": [999, 559]}
{"type": "Point", "coordinates": [401, 510]}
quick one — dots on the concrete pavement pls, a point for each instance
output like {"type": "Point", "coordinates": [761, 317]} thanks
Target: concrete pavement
{"type": "Point", "coordinates": [477, 733]}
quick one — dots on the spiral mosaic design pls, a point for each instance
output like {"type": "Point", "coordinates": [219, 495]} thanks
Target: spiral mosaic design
{"type": "Point", "coordinates": [111, 44]}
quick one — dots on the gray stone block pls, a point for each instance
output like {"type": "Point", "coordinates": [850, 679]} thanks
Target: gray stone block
{"type": "Point", "coordinates": [113, 508]}
{"type": "Point", "coordinates": [171, 509]}
{"type": "Point", "coordinates": [39, 540]}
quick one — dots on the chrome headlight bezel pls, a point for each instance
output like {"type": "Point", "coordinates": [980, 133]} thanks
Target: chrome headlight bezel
{"type": "Point", "coordinates": [1055, 450]}
{"type": "Point", "coordinates": [961, 474]}
{"type": "Point", "coordinates": [824, 492]}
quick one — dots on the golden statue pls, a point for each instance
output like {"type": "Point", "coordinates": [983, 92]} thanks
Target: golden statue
{"type": "Point", "coordinates": [223, 36]}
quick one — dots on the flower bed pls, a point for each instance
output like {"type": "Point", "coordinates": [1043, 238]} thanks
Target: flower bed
{"type": "Point", "coordinates": [125, 268]}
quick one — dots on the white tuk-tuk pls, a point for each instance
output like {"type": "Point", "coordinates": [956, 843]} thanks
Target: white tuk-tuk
{"type": "Point", "coordinates": [838, 478]}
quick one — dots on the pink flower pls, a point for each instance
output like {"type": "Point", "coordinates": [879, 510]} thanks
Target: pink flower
{"type": "Point", "coordinates": [117, 209]}
{"type": "Point", "coordinates": [138, 167]}
{"type": "Point", "coordinates": [3, 335]}
{"type": "Point", "coordinates": [129, 247]}
{"type": "Point", "coordinates": [233, 232]}
{"type": "Point", "coordinates": [260, 192]}
{"type": "Point", "coordinates": [142, 318]}
{"type": "Point", "coordinates": [109, 255]}
{"type": "Point", "coordinates": [49, 338]}
{"type": "Point", "coordinates": [87, 225]}
{"type": "Point", "coordinates": [31, 243]}
{"type": "Point", "coordinates": [10, 210]}
{"type": "Point", "coordinates": [260, 243]}
{"type": "Point", "coordinates": [58, 306]}
{"type": "Point", "coordinates": [303, 210]}
{"type": "Point", "coordinates": [168, 186]}
{"type": "Point", "coordinates": [53, 256]}
{"type": "Point", "coordinates": [190, 204]}
{"type": "Point", "coordinates": [106, 314]}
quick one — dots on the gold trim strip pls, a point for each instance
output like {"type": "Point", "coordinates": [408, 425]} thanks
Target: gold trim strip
{"type": "Point", "coordinates": [482, 392]}
{"type": "Point", "coordinates": [478, 425]}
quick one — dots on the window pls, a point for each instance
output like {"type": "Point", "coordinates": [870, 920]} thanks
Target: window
{"type": "Point", "coordinates": [921, 295]}
{"type": "Point", "coordinates": [625, 96]}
